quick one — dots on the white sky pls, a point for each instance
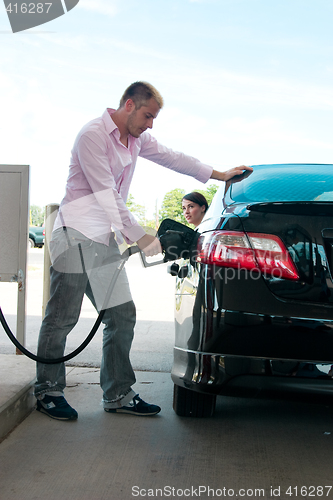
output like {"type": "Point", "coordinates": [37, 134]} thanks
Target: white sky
{"type": "Point", "coordinates": [244, 82]}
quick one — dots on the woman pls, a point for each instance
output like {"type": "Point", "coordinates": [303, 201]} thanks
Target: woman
{"type": "Point", "coordinates": [194, 207]}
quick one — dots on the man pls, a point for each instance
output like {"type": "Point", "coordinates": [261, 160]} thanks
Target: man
{"type": "Point", "coordinates": [83, 247]}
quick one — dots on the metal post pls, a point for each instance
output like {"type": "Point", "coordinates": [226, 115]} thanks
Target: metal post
{"type": "Point", "coordinates": [51, 212]}
{"type": "Point", "coordinates": [14, 209]}
{"type": "Point", "coordinates": [22, 271]}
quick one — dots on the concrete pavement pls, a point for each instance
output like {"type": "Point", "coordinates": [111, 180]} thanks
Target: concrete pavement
{"type": "Point", "coordinates": [251, 448]}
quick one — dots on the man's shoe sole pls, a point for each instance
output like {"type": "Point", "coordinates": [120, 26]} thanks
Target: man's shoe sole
{"type": "Point", "coordinates": [130, 412]}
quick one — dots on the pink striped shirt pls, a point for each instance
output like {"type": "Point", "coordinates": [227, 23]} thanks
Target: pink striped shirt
{"type": "Point", "coordinates": [100, 174]}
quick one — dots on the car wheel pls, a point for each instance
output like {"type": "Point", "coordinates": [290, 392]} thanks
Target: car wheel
{"type": "Point", "coordinates": [31, 243]}
{"type": "Point", "coordinates": [188, 403]}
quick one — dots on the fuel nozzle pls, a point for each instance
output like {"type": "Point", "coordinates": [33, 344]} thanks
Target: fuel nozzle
{"type": "Point", "coordinates": [177, 241]}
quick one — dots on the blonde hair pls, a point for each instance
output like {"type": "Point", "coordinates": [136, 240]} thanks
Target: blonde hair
{"type": "Point", "coordinates": [141, 93]}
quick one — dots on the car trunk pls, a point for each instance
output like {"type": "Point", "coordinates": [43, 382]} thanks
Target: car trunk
{"type": "Point", "coordinates": [306, 229]}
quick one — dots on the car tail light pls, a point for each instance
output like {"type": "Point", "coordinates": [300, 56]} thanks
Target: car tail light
{"type": "Point", "coordinates": [265, 253]}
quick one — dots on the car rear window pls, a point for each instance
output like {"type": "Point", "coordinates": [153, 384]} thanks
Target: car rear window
{"type": "Point", "coordinates": [270, 183]}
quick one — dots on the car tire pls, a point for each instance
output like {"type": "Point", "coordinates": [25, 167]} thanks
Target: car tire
{"type": "Point", "coordinates": [188, 403]}
{"type": "Point", "coordinates": [31, 243]}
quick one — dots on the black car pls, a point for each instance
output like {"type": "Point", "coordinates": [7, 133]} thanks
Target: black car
{"type": "Point", "coordinates": [254, 308]}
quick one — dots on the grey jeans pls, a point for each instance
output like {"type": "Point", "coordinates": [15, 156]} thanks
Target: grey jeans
{"type": "Point", "coordinates": [81, 266]}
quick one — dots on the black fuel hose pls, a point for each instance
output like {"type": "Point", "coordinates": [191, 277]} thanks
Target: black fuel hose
{"type": "Point", "coordinates": [49, 361]}
{"type": "Point", "coordinates": [124, 257]}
